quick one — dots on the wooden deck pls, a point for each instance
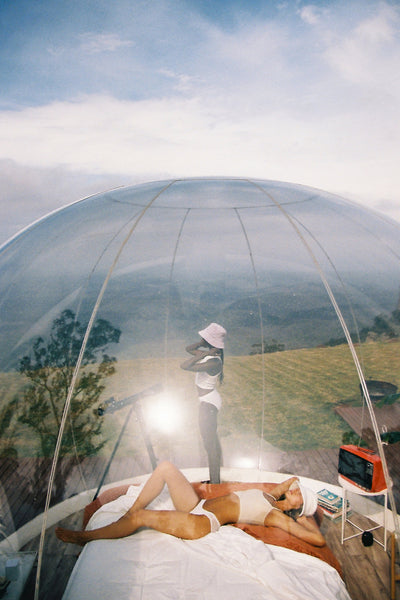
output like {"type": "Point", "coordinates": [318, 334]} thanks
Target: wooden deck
{"type": "Point", "coordinates": [387, 417]}
{"type": "Point", "coordinates": [365, 570]}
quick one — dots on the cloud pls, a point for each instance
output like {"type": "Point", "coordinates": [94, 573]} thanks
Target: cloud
{"type": "Point", "coordinates": [185, 137]}
{"type": "Point", "coordinates": [311, 99]}
{"type": "Point", "coordinates": [251, 44]}
{"type": "Point", "coordinates": [310, 14]}
{"type": "Point", "coordinates": [28, 193]}
{"type": "Point", "coordinates": [96, 43]}
{"type": "Point", "coordinates": [369, 54]}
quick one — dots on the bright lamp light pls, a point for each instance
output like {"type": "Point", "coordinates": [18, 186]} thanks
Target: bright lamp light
{"type": "Point", "coordinates": [164, 414]}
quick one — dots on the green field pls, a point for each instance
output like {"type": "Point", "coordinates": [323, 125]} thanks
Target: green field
{"type": "Point", "coordinates": [287, 397]}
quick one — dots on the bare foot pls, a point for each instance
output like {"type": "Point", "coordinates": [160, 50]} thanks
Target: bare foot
{"type": "Point", "coordinates": [70, 536]}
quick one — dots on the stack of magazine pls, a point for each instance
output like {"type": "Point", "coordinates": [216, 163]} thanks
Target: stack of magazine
{"type": "Point", "coordinates": [331, 504]}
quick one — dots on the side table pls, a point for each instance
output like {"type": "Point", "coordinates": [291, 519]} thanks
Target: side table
{"type": "Point", "coordinates": [355, 489]}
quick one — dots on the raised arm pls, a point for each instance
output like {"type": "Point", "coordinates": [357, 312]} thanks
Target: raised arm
{"type": "Point", "coordinates": [193, 347]}
{"type": "Point", "coordinates": [212, 366]}
{"type": "Point", "coordinates": [281, 489]}
{"type": "Point", "coordinates": [304, 528]}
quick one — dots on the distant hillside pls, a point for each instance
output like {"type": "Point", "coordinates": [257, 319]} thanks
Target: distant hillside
{"type": "Point", "coordinates": [287, 397]}
{"type": "Point", "coordinates": [292, 308]}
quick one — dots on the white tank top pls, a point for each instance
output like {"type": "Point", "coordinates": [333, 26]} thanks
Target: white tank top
{"type": "Point", "coordinates": [205, 381]}
{"type": "Point", "coordinates": [254, 506]}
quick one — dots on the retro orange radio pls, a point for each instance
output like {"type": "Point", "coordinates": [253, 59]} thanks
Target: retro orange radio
{"type": "Point", "coordinates": [361, 467]}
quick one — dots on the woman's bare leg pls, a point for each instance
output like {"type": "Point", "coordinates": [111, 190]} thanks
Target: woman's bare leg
{"type": "Point", "coordinates": [176, 523]}
{"type": "Point", "coordinates": [183, 497]}
{"type": "Point", "coordinates": [182, 493]}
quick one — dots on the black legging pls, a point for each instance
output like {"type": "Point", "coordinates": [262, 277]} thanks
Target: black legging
{"type": "Point", "coordinates": [208, 416]}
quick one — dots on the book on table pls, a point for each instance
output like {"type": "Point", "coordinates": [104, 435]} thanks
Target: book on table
{"type": "Point", "coordinates": [331, 504]}
{"type": "Point", "coordinates": [334, 515]}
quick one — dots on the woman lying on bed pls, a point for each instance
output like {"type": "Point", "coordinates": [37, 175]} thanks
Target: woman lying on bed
{"type": "Point", "coordinates": [194, 518]}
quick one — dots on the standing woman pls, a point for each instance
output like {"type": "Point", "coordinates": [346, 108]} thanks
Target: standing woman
{"type": "Point", "coordinates": [207, 362]}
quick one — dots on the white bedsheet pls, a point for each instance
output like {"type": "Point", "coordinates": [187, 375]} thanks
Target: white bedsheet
{"type": "Point", "coordinates": [221, 566]}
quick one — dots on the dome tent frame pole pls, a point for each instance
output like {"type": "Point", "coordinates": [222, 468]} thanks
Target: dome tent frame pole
{"type": "Point", "coordinates": [356, 360]}
{"type": "Point", "coordinates": [73, 382]}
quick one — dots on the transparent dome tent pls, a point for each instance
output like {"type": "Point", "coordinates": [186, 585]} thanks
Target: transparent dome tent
{"type": "Point", "coordinates": [99, 300]}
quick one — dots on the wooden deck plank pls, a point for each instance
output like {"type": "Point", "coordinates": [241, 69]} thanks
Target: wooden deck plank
{"type": "Point", "coordinates": [387, 417]}
{"type": "Point", "coordinates": [365, 569]}
{"type": "Point", "coordinates": [58, 561]}
{"type": "Point", "coordinates": [317, 464]}
{"type": "Point", "coordinates": [16, 484]}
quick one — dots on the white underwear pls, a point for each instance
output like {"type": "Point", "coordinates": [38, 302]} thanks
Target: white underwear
{"type": "Point", "coordinates": [213, 397]}
{"type": "Point", "coordinates": [254, 506]}
{"type": "Point", "coordinates": [199, 510]}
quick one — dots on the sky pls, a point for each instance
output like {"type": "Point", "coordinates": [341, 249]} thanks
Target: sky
{"type": "Point", "coordinates": [97, 94]}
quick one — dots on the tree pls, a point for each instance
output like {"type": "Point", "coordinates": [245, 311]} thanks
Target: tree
{"type": "Point", "coordinates": [49, 369]}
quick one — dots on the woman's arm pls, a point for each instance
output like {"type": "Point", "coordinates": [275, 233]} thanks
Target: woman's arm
{"type": "Point", "coordinates": [212, 366]}
{"type": "Point", "coordinates": [281, 489]}
{"type": "Point", "coordinates": [317, 539]}
{"type": "Point", "coordinates": [193, 347]}
{"type": "Point", "coordinates": [303, 528]}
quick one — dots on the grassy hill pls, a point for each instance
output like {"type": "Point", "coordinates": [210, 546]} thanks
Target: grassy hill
{"type": "Point", "coordinates": [287, 398]}
{"type": "Point", "coordinates": [300, 390]}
